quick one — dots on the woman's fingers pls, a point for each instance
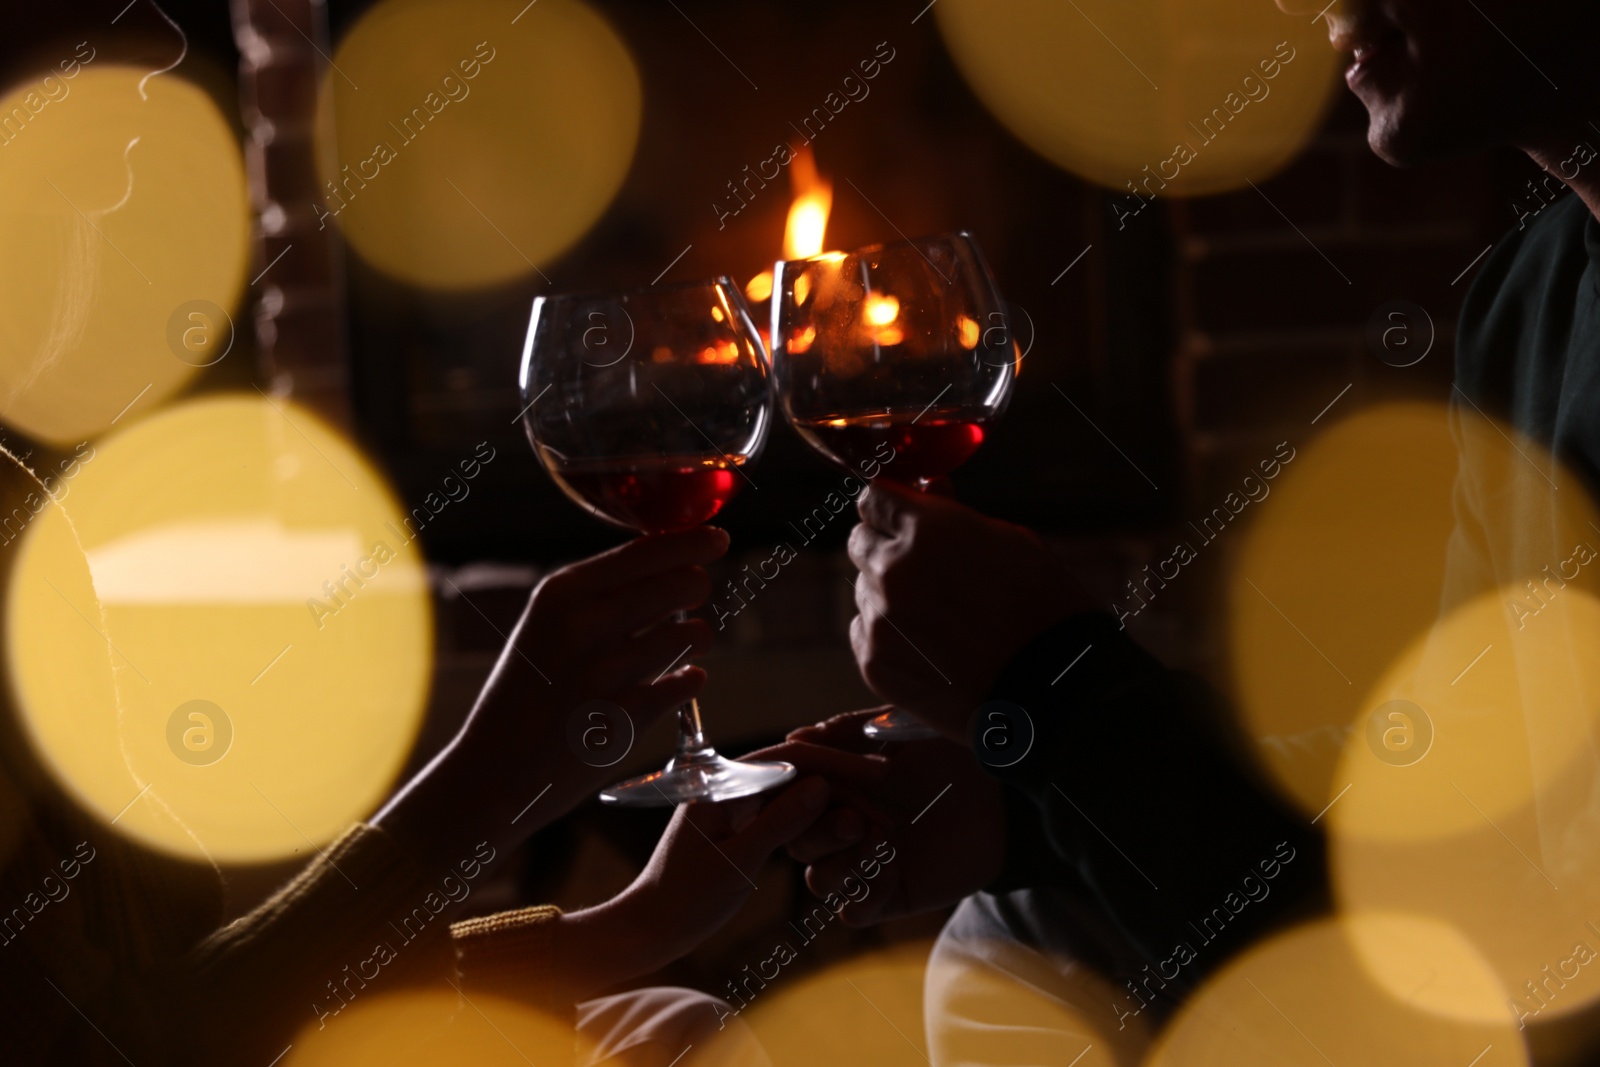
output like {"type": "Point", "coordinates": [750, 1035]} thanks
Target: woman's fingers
{"type": "Point", "coordinates": [638, 559]}
{"type": "Point", "coordinates": [646, 657]}
{"type": "Point", "coordinates": [647, 703]}
{"type": "Point", "coordinates": [627, 610]}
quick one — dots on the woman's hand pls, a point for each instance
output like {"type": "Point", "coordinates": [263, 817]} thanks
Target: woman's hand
{"type": "Point", "coordinates": [703, 870]}
{"type": "Point", "coordinates": [598, 630]}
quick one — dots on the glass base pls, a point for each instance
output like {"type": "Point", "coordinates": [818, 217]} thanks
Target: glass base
{"type": "Point", "coordinates": [898, 725]}
{"type": "Point", "coordinates": [700, 776]}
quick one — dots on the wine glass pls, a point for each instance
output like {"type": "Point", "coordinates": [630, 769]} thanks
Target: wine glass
{"type": "Point", "coordinates": [644, 406]}
{"type": "Point", "coordinates": [906, 345]}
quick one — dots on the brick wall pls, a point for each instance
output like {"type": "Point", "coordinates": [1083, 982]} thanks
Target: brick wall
{"type": "Point", "coordinates": [1271, 329]}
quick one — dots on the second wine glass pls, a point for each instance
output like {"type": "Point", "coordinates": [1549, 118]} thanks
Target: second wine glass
{"type": "Point", "coordinates": [905, 346]}
{"type": "Point", "coordinates": [644, 407]}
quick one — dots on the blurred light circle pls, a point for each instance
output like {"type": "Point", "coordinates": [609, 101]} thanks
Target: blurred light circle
{"type": "Point", "coordinates": [471, 148]}
{"type": "Point", "coordinates": [428, 1028]}
{"type": "Point", "coordinates": [200, 333]}
{"type": "Point", "coordinates": [1106, 88]}
{"type": "Point", "coordinates": [1304, 999]}
{"type": "Point", "coordinates": [1512, 710]}
{"type": "Point", "coordinates": [1494, 832]}
{"type": "Point", "coordinates": [1399, 733]}
{"type": "Point", "coordinates": [199, 732]}
{"type": "Point", "coordinates": [234, 547]}
{"type": "Point", "coordinates": [114, 212]}
{"type": "Point", "coordinates": [1340, 568]}
{"type": "Point", "coordinates": [873, 1004]}
{"type": "Point", "coordinates": [1425, 963]}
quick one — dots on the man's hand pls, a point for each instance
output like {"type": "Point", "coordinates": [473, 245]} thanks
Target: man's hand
{"type": "Point", "coordinates": [945, 599]}
{"type": "Point", "coordinates": [930, 801]}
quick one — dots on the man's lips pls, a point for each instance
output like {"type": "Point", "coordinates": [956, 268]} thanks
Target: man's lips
{"type": "Point", "coordinates": [1374, 48]}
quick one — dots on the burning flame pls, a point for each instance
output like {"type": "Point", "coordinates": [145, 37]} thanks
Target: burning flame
{"type": "Point", "coordinates": [881, 310]}
{"type": "Point", "coordinates": [808, 215]}
{"type": "Point", "coordinates": [879, 313]}
{"type": "Point", "coordinates": [969, 331]}
{"type": "Point", "coordinates": [800, 341]}
{"type": "Point", "coordinates": [720, 352]}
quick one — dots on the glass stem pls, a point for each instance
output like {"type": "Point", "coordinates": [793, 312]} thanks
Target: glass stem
{"type": "Point", "coordinates": [691, 738]}
{"type": "Point", "coordinates": [691, 735]}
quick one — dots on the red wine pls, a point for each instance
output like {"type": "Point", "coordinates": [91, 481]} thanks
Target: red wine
{"type": "Point", "coordinates": [925, 447]}
{"type": "Point", "coordinates": [654, 494]}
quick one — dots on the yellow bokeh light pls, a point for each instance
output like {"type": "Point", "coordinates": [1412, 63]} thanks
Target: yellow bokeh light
{"type": "Point", "coordinates": [1491, 829]}
{"type": "Point", "coordinates": [233, 628]}
{"type": "Point", "coordinates": [432, 1028]}
{"type": "Point", "coordinates": [1303, 999]}
{"type": "Point", "coordinates": [116, 212]}
{"type": "Point", "coordinates": [873, 1004]}
{"type": "Point", "coordinates": [1510, 709]}
{"type": "Point", "coordinates": [1339, 570]}
{"type": "Point", "coordinates": [1414, 618]}
{"type": "Point", "coordinates": [1426, 964]}
{"type": "Point", "coordinates": [472, 150]}
{"type": "Point", "coordinates": [1205, 95]}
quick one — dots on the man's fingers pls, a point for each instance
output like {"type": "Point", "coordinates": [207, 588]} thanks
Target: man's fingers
{"type": "Point", "coordinates": [638, 559]}
{"type": "Point", "coordinates": [842, 731]}
{"type": "Point", "coordinates": [840, 873]}
{"type": "Point", "coordinates": [832, 763]}
{"type": "Point", "coordinates": [887, 507]}
{"type": "Point", "coordinates": [866, 546]}
{"type": "Point", "coordinates": [868, 599]}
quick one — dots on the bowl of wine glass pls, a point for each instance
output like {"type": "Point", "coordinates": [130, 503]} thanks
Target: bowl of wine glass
{"type": "Point", "coordinates": [646, 408]}
{"type": "Point", "coordinates": [902, 350]}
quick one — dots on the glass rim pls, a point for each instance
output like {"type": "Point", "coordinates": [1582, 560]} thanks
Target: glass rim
{"type": "Point", "coordinates": [642, 290]}
{"type": "Point", "coordinates": [904, 242]}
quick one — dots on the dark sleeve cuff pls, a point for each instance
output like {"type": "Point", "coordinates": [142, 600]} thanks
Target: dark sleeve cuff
{"type": "Point", "coordinates": [1031, 857]}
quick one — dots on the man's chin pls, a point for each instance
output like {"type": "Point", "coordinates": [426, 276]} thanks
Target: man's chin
{"type": "Point", "coordinates": [1415, 128]}
{"type": "Point", "coordinates": [1394, 137]}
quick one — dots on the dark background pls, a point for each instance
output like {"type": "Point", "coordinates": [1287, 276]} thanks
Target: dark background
{"type": "Point", "coordinates": [1189, 338]}
{"type": "Point", "coordinates": [1190, 343]}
